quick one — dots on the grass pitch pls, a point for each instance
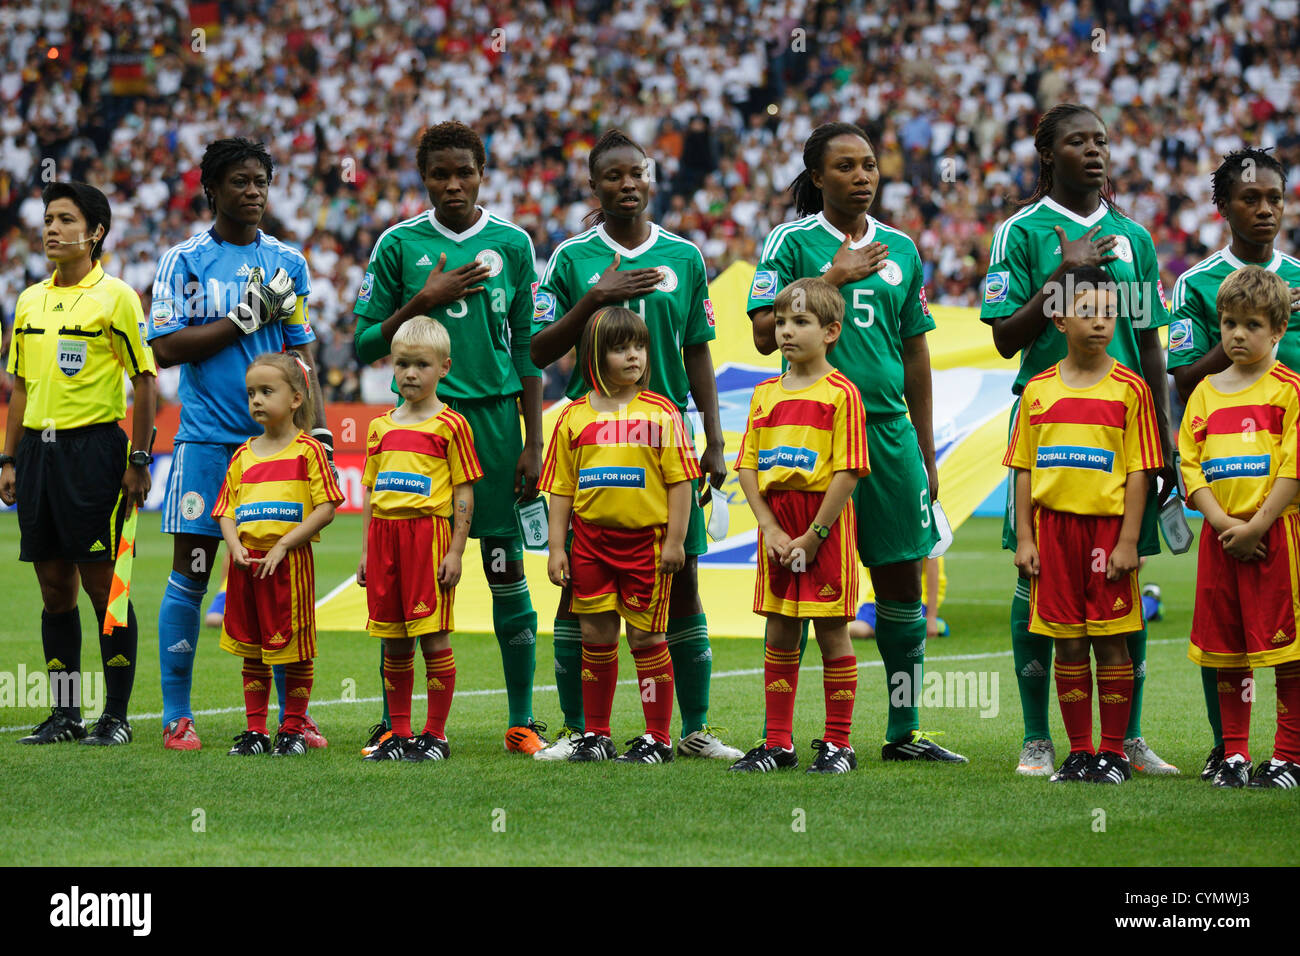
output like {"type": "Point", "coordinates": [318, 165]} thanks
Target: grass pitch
{"type": "Point", "coordinates": [141, 805]}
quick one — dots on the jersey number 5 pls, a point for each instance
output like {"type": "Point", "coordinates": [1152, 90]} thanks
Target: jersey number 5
{"type": "Point", "coordinates": [861, 303]}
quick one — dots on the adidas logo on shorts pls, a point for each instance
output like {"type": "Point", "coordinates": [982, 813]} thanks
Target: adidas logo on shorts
{"type": "Point", "coordinates": [780, 687]}
{"type": "Point", "coordinates": [1070, 697]}
{"type": "Point", "coordinates": [98, 546]}
{"type": "Point", "coordinates": [277, 640]}
{"type": "Point", "coordinates": [1118, 605]}
{"type": "Point", "coordinates": [420, 608]}
{"type": "Point", "coordinates": [1280, 638]}
{"type": "Point", "coordinates": [827, 591]}
{"type": "Point", "coordinates": [633, 601]}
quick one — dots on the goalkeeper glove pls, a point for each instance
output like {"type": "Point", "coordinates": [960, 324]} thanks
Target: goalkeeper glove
{"type": "Point", "coordinates": [264, 303]}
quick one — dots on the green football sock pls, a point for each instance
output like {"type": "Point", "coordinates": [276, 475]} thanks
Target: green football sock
{"type": "Point", "coordinates": [568, 671]}
{"type": "Point", "coordinates": [900, 635]}
{"type": "Point", "coordinates": [515, 623]}
{"type": "Point", "coordinates": [1210, 687]}
{"type": "Point", "coordinates": [383, 687]}
{"type": "Point", "coordinates": [688, 646]}
{"type": "Point", "coordinates": [1032, 654]}
{"type": "Point", "coordinates": [1137, 651]}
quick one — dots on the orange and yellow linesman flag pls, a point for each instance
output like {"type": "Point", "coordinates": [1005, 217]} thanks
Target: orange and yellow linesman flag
{"type": "Point", "coordinates": [120, 592]}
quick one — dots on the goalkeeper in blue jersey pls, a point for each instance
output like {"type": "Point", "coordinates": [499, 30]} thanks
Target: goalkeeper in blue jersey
{"type": "Point", "coordinates": [220, 299]}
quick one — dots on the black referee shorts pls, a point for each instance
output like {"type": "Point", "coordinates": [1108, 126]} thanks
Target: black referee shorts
{"type": "Point", "coordinates": [70, 493]}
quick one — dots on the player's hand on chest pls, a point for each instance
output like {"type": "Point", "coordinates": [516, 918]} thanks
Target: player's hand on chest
{"type": "Point", "coordinates": [876, 300]}
{"type": "Point", "coordinates": [468, 283]}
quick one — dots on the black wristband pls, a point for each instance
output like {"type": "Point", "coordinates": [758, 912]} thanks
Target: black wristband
{"type": "Point", "coordinates": [6, 460]}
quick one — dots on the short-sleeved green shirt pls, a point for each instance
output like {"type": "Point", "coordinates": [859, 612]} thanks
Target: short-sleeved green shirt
{"type": "Point", "coordinates": [1026, 251]}
{"type": "Point", "coordinates": [1194, 329]}
{"type": "Point", "coordinates": [490, 330]}
{"type": "Point", "coordinates": [678, 312]}
{"type": "Point", "coordinates": [880, 310]}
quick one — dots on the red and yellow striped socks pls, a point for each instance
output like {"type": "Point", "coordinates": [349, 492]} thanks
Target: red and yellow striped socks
{"type": "Point", "coordinates": [399, 677]}
{"type": "Point", "coordinates": [257, 692]}
{"type": "Point", "coordinates": [1114, 701]}
{"type": "Point", "coordinates": [1074, 692]}
{"type": "Point", "coordinates": [440, 679]}
{"type": "Point", "coordinates": [780, 682]}
{"type": "Point", "coordinates": [298, 678]}
{"type": "Point", "coordinates": [599, 678]}
{"type": "Point", "coordinates": [840, 685]}
{"type": "Point", "coordinates": [654, 672]}
{"type": "Point", "coordinates": [1235, 697]}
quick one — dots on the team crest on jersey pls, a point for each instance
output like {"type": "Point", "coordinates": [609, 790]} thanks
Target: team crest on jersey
{"type": "Point", "coordinates": [543, 307]}
{"type": "Point", "coordinates": [367, 286]}
{"type": "Point", "coordinates": [764, 287]}
{"type": "Point", "coordinates": [72, 356]}
{"type": "Point", "coordinates": [890, 272]}
{"type": "Point", "coordinates": [669, 281]}
{"type": "Point", "coordinates": [192, 505]}
{"type": "Point", "coordinates": [996, 287]}
{"type": "Point", "coordinates": [708, 312]}
{"type": "Point", "coordinates": [1181, 336]}
{"type": "Point", "coordinates": [1123, 249]}
{"type": "Point", "coordinates": [492, 259]}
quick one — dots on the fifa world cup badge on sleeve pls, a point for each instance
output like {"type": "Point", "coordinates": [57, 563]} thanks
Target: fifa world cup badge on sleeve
{"type": "Point", "coordinates": [996, 287]}
{"type": "Point", "coordinates": [534, 522]}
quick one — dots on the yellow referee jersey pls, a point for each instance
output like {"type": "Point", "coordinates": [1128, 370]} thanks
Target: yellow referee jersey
{"type": "Point", "coordinates": [71, 345]}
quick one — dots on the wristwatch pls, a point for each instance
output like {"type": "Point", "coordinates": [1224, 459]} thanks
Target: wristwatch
{"type": "Point", "coordinates": [141, 459]}
{"type": "Point", "coordinates": [820, 530]}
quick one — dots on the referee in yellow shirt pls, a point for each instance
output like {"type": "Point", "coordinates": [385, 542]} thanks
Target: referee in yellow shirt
{"type": "Point", "coordinates": [65, 459]}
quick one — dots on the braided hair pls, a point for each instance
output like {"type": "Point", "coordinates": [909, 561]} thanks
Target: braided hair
{"type": "Point", "coordinates": [807, 197]}
{"type": "Point", "coordinates": [1045, 133]}
{"type": "Point", "coordinates": [610, 139]}
{"type": "Point", "coordinates": [1234, 165]}
{"type": "Point", "coordinates": [224, 153]}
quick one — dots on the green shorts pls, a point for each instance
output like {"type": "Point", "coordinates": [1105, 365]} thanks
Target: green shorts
{"type": "Point", "coordinates": [895, 523]}
{"type": "Point", "coordinates": [697, 542]}
{"type": "Point", "coordinates": [1148, 536]}
{"type": "Point", "coordinates": [498, 442]}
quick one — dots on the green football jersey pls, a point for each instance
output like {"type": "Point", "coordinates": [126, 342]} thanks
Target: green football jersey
{"type": "Point", "coordinates": [880, 310]}
{"type": "Point", "coordinates": [678, 312]}
{"type": "Point", "coordinates": [490, 330]}
{"type": "Point", "coordinates": [1026, 251]}
{"type": "Point", "coordinates": [1194, 329]}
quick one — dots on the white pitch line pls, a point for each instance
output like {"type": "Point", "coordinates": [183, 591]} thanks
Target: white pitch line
{"type": "Point", "coordinates": [746, 672]}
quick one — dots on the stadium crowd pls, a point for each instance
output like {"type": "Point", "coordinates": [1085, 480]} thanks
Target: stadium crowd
{"type": "Point", "coordinates": [126, 96]}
